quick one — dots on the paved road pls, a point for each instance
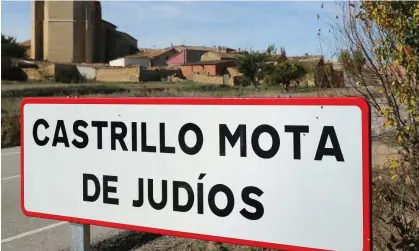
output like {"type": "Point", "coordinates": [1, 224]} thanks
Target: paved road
{"type": "Point", "coordinates": [22, 233]}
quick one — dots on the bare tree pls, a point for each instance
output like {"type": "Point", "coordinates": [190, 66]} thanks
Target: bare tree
{"type": "Point", "coordinates": [377, 44]}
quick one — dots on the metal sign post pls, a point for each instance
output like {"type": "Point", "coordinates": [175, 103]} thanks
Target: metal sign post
{"type": "Point", "coordinates": [80, 237]}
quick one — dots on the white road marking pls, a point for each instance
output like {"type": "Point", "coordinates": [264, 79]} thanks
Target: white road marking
{"type": "Point", "coordinates": [10, 177]}
{"type": "Point", "coordinates": [33, 232]}
{"type": "Point", "coordinates": [4, 154]}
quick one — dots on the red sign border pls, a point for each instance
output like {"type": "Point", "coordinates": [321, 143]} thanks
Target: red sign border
{"type": "Point", "coordinates": [343, 101]}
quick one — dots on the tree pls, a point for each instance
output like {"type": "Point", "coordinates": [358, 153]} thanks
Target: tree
{"type": "Point", "coordinates": [254, 65]}
{"type": "Point", "coordinates": [380, 42]}
{"type": "Point", "coordinates": [286, 72]}
{"type": "Point", "coordinates": [353, 62]}
{"type": "Point", "coordinates": [9, 47]}
{"type": "Point", "coordinates": [283, 52]}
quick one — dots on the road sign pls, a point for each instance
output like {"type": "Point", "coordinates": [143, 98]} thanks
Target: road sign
{"type": "Point", "coordinates": [285, 173]}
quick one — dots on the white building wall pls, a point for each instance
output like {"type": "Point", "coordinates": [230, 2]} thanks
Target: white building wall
{"type": "Point", "coordinates": [118, 62]}
{"type": "Point", "coordinates": [122, 62]}
{"type": "Point", "coordinates": [88, 72]}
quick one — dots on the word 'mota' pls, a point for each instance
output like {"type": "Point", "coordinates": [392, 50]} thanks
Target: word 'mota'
{"type": "Point", "coordinates": [133, 137]}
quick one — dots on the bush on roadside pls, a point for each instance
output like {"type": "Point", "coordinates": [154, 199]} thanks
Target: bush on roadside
{"type": "Point", "coordinates": [380, 41]}
{"type": "Point", "coordinates": [13, 73]}
{"type": "Point", "coordinates": [11, 48]}
{"type": "Point", "coordinates": [10, 130]}
{"type": "Point", "coordinates": [242, 81]}
{"type": "Point", "coordinates": [284, 73]}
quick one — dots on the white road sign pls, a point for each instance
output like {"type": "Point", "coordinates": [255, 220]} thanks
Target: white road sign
{"type": "Point", "coordinates": [285, 173]}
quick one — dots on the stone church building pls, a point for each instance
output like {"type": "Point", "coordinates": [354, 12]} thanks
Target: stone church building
{"type": "Point", "coordinates": [74, 31]}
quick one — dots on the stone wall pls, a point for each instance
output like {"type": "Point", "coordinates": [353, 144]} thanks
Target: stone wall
{"type": "Point", "coordinates": [206, 70]}
{"type": "Point", "coordinates": [33, 74]}
{"type": "Point", "coordinates": [156, 74]}
{"type": "Point", "coordinates": [118, 74]}
{"type": "Point", "coordinates": [216, 80]}
{"type": "Point", "coordinates": [47, 71]}
{"type": "Point", "coordinates": [216, 69]}
{"type": "Point", "coordinates": [44, 71]}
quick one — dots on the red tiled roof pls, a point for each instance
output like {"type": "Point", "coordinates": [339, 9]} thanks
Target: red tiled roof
{"type": "Point", "coordinates": [26, 43]}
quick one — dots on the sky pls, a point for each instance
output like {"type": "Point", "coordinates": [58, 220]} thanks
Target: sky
{"type": "Point", "coordinates": [245, 25]}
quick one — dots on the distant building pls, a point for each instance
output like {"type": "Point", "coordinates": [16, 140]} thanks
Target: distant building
{"type": "Point", "coordinates": [74, 31]}
{"type": "Point", "coordinates": [181, 48]}
{"type": "Point", "coordinates": [27, 45]}
{"type": "Point", "coordinates": [208, 68]}
{"type": "Point", "coordinates": [320, 73]}
{"type": "Point", "coordinates": [186, 56]}
{"type": "Point", "coordinates": [213, 56]}
{"type": "Point", "coordinates": [146, 58]}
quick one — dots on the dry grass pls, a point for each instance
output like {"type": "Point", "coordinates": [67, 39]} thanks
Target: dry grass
{"type": "Point", "coordinates": [13, 93]}
{"type": "Point", "coordinates": [169, 243]}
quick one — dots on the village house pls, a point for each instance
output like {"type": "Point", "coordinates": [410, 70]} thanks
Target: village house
{"type": "Point", "coordinates": [186, 56]}
{"type": "Point", "coordinates": [209, 68]}
{"type": "Point", "coordinates": [319, 73]}
{"type": "Point", "coordinates": [146, 58]}
{"type": "Point", "coordinates": [27, 45]}
{"type": "Point", "coordinates": [181, 48]}
{"type": "Point", "coordinates": [214, 56]}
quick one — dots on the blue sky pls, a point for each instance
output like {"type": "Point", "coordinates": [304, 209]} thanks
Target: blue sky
{"type": "Point", "coordinates": [256, 24]}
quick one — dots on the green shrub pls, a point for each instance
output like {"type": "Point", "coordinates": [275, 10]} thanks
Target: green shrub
{"type": "Point", "coordinates": [10, 130]}
{"type": "Point", "coordinates": [71, 75]}
{"type": "Point", "coordinates": [242, 81]}
{"type": "Point", "coordinates": [10, 48]}
{"type": "Point", "coordinates": [14, 74]}
{"type": "Point", "coordinates": [285, 72]}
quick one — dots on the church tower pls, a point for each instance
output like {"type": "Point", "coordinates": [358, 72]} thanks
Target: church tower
{"type": "Point", "coordinates": [63, 31]}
